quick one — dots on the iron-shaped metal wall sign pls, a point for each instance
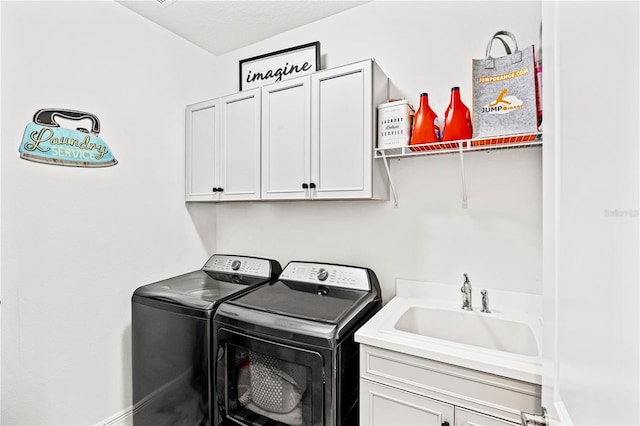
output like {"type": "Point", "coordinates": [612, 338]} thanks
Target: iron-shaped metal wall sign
{"type": "Point", "coordinates": [45, 141]}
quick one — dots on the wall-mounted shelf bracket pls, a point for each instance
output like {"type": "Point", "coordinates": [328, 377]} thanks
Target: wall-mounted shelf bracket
{"type": "Point", "coordinates": [393, 188]}
{"type": "Point", "coordinates": [459, 147]}
{"type": "Point", "coordinates": [464, 183]}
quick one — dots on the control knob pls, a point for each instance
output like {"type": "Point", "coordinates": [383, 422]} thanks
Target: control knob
{"type": "Point", "coordinates": [323, 274]}
{"type": "Point", "coordinates": [235, 265]}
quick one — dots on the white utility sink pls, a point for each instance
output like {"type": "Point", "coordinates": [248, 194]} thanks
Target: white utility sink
{"type": "Point", "coordinates": [470, 328]}
{"type": "Point", "coordinates": [425, 319]}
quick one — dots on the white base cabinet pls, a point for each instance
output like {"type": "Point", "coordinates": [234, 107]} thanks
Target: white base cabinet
{"type": "Point", "coordinates": [387, 406]}
{"type": "Point", "coordinates": [401, 389]}
{"type": "Point", "coordinates": [466, 417]}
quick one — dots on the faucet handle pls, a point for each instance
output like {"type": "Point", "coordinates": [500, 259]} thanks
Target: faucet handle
{"type": "Point", "coordinates": [485, 301]}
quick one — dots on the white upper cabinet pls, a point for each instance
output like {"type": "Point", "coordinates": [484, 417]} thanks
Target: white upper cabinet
{"type": "Point", "coordinates": [202, 135]}
{"type": "Point", "coordinates": [343, 122]}
{"type": "Point", "coordinates": [286, 139]}
{"type": "Point", "coordinates": [240, 146]}
{"type": "Point", "coordinates": [319, 135]}
{"type": "Point", "coordinates": [310, 137]}
{"type": "Point", "coordinates": [223, 148]}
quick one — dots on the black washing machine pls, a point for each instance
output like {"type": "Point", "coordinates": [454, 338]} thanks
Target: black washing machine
{"type": "Point", "coordinates": [172, 329]}
{"type": "Point", "coordinates": [286, 351]}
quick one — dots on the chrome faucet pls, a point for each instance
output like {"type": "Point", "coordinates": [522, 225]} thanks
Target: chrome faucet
{"type": "Point", "coordinates": [466, 294]}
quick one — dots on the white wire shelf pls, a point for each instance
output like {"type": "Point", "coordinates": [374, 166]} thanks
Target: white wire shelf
{"type": "Point", "coordinates": [456, 147]}
{"type": "Point", "coordinates": [478, 144]}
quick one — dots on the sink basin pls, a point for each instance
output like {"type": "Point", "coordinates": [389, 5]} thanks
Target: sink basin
{"type": "Point", "coordinates": [424, 320]}
{"type": "Point", "coordinates": [470, 328]}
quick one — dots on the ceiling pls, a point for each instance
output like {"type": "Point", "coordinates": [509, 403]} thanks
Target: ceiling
{"type": "Point", "coordinates": [221, 26]}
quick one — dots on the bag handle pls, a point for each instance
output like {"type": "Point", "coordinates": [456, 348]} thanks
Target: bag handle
{"type": "Point", "coordinates": [47, 117]}
{"type": "Point", "coordinates": [516, 56]}
{"type": "Point", "coordinates": [507, 48]}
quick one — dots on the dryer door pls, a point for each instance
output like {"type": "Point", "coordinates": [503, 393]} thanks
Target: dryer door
{"type": "Point", "coordinates": [270, 383]}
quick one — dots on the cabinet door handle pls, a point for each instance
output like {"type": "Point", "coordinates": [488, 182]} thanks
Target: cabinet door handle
{"type": "Point", "coordinates": [312, 185]}
{"type": "Point", "coordinates": [214, 189]}
{"type": "Point", "coordinates": [220, 189]}
{"type": "Point", "coordinates": [445, 423]}
{"type": "Point", "coordinates": [305, 186]}
{"type": "Point", "coordinates": [541, 419]}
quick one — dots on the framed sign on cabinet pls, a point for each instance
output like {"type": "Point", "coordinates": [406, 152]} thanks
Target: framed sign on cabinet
{"type": "Point", "coordinates": [280, 65]}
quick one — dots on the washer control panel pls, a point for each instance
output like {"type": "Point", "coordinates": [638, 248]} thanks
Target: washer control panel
{"type": "Point", "coordinates": [238, 265]}
{"type": "Point", "coordinates": [328, 275]}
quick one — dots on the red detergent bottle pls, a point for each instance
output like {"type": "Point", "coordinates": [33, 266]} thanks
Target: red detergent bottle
{"type": "Point", "coordinates": [426, 127]}
{"type": "Point", "coordinates": [457, 120]}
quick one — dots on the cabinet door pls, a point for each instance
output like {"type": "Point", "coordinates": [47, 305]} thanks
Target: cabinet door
{"type": "Point", "coordinates": [202, 136]}
{"type": "Point", "coordinates": [342, 129]}
{"type": "Point", "coordinates": [466, 417]}
{"type": "Point", "coordinates": [286, 139]}
{"type": "Point", "coordinates": [382, 405]}
{"type": "Point", "coordinates": [240, 146]}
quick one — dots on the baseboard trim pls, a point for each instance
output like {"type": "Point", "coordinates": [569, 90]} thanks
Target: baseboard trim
{"type": "Point", "coordinates": [125, 417]}
{"type": "Point", "coordinates": [122, 418]}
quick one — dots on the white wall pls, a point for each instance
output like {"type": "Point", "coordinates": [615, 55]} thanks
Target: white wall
{"type": "Point", "coordinates": [77, 242]}
{"type": "Point", "coordinates": [423, 47]}
{"type": "Point", "coordinates": [594, 202]}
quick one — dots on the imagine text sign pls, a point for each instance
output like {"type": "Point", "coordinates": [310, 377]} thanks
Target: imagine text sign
{"type": "Point", "coordinates": [279, 66]}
